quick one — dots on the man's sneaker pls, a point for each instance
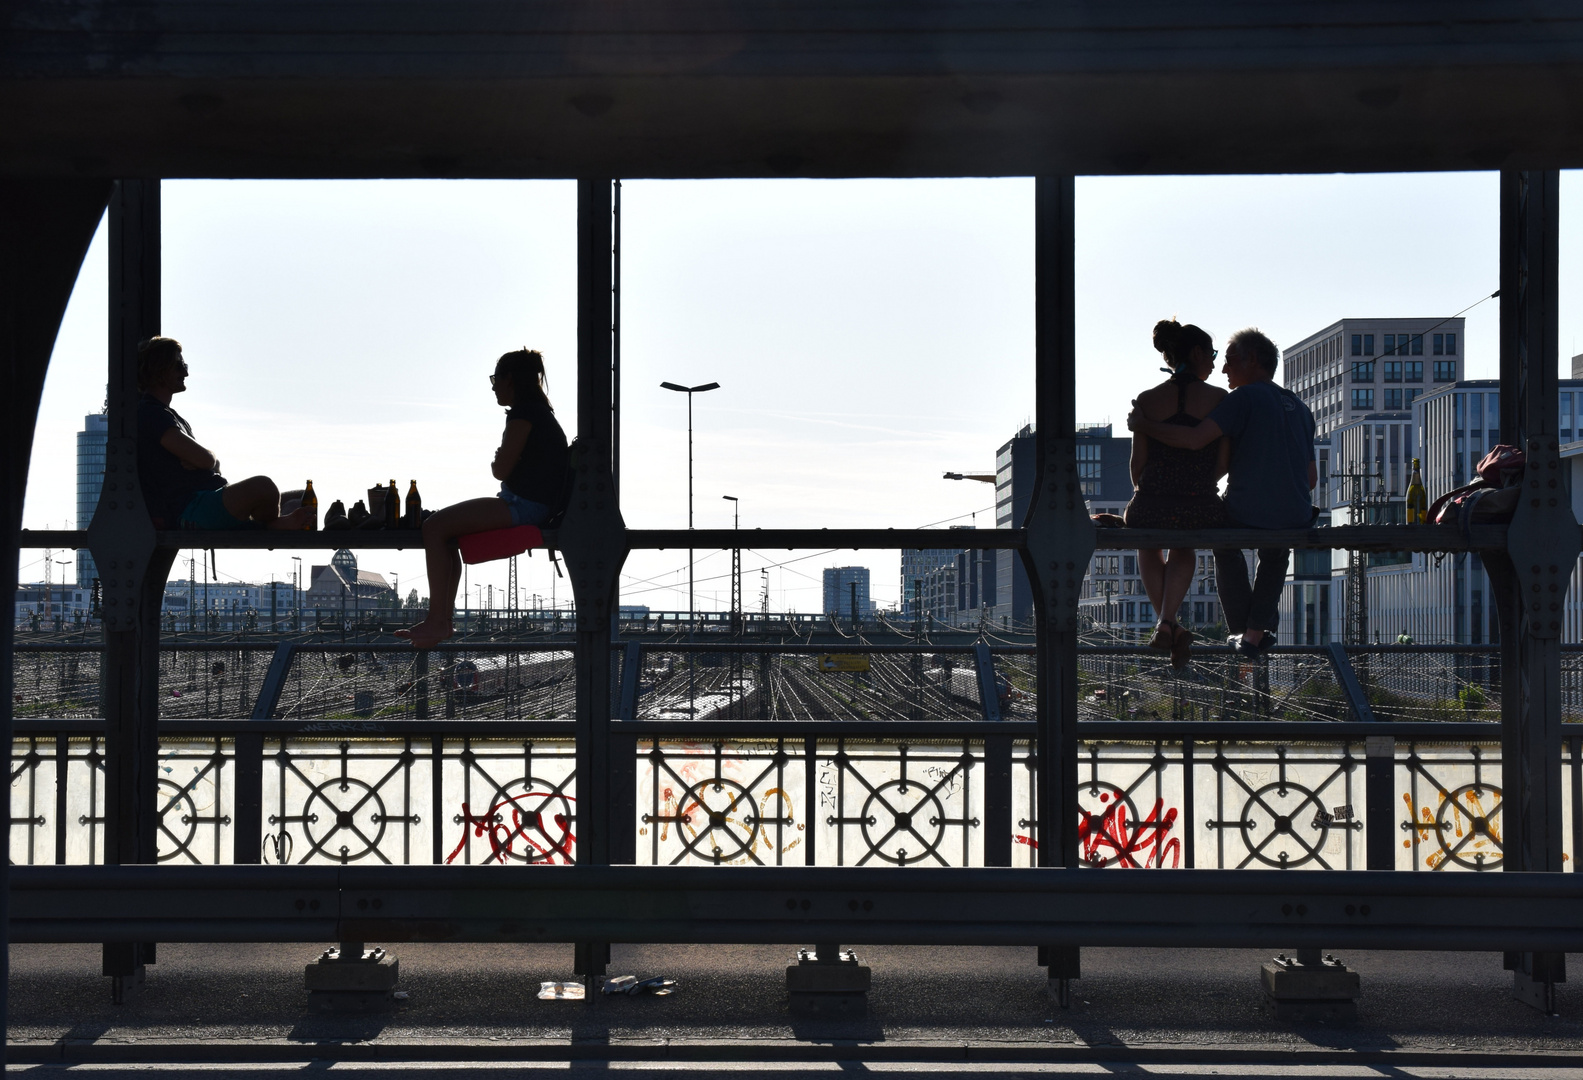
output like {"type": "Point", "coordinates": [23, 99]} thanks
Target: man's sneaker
{"type": "Point", "coordinates": [1267, 642]}
{"type": "Point", "coordinates": [1244, 647]}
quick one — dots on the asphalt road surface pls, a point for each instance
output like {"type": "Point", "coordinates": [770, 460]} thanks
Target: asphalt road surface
{"type": "Point", "coordinates": [472, 1010]}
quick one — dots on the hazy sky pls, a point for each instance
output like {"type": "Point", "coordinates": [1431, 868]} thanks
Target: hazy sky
{"type": "Point", "coordinates": [867, 335]}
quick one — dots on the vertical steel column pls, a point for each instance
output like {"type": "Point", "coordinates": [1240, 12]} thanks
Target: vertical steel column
{"type": "Point", "coordinates": [45, 229]}
{"type": "Point", "coordinates": [1531, 577]}
{"type": "Point", "coordinates": [132, 570]}
{"type": "Point", "coordinates": [1060, 542]}
{"type": "Point", "coordinates": [593, 541]}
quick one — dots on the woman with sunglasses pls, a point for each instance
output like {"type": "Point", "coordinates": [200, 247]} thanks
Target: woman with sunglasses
{"type": "Point", "coordinates": [1176, 488]}
{"type": "Point", "coordinates": [531, 465]}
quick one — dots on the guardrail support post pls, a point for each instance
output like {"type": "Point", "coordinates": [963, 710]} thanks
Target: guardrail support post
{"type": "Point", "coordinates": [593, 539]}
{"type": "Point", "coordinates": [132, 571]}
{"type": "Point", "coordinates": [1060, 543]}
{"type": "Point", "coordinates": [45, 229]}
{"type": "Point", "coordinates": [1530, 579]}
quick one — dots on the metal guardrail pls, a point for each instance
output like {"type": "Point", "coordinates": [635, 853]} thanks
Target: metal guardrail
{"type": "Point", "coordinates": [1348, 537]}
{"type": "Point", "coordinates": [981, 906]}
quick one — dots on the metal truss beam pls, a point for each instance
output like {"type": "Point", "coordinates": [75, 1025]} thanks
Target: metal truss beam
{"type": "Point", "coordinates": [568, 88]}
{"type": "Point", "coordinates": [706, 905]}
{"type": "Point", "coordinates": [1347, 537]}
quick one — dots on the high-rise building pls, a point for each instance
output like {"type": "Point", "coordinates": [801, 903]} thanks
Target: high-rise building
{"type": "Point", "coordinates": [1358, 366]}
{"type": "Point", "coordinates": [1435, 600]}
{"type": "Point", "coordinates": [916, 566]}
{"type": "Point", "coordinates": [90, 479]}
{"type": "Point", "coordinates": [838, 582]}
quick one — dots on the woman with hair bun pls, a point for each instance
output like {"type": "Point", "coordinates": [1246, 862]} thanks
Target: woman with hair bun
{"type": "Point", "coordinates": [532, 467]}
{"type": "Point", "coordinates": [1175, 488]}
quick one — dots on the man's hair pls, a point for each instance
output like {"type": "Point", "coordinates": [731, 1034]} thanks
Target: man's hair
{"type": "Point", "coordinates": [1263, 349]}
{"type": "Point", "coordinates": [155, 357]}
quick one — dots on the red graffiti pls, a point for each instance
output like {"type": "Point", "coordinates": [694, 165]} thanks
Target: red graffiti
{"type": "Point", "coordinates": [503, 836]}
{"type": "Point", "coordinates": [1134, 846]}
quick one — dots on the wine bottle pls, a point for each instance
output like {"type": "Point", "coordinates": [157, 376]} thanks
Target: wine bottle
{"type": "Point", "coordinates": [1417, 498]}
{"type": "Point", "coordinates": [414, 507]}
{"type": "Point", "coordinates": [310, 502]}
{"type": "Point", "coordinates": [392, 505]}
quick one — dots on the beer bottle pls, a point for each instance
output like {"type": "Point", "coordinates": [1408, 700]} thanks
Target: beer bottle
{"type": "Point", "coordinates": [311, 501]}
{"type": "Point", "coordinates": [1417, 498]}
{"type": "Point", "coordinates": [392, 505]}
{"type": "Point", "coordinates": [414, 506]}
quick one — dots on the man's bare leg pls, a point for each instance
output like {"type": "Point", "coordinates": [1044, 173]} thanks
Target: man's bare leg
{"type": "Point", "coordinates": [258, 499]}
{"type": "Point", "coordinates": [440, 535]}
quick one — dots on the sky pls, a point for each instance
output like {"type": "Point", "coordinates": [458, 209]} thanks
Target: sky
{"type": "Point", "coordinates": [867, 335]}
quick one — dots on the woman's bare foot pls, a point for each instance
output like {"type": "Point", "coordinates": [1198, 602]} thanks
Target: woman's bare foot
{"type": "Point", "coordinates": [428, 633]}
{"type": "Point", "coordinates": [297, 519]}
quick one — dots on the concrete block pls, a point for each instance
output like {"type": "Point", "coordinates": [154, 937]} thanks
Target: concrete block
{"type": "Point", "coordinates": [1309, 982]}
{"type": "Point", "coordinates": [355, 976]}
{"type": "Point", "coordinates": [829, 1005]}
{"type": "Point", "coordinates": [850, 978]}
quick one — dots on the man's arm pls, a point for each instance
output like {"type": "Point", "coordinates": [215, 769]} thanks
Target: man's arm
{"type": "Point", "coordinates": [1188, 438]}
{"type": "Point", "coordinates": [1313, 474]}
{"type": "Point", "coordinates": [189, 453]}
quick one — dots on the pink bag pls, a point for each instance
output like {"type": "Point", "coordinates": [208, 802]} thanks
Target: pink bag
{"type": "Point", "coordinates": [1490, 498]}
{"type": "Point", "coordinates": [1503, 466]}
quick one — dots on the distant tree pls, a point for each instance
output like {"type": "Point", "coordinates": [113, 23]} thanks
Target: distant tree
{"type": "Point", "coordinates": [413, 602]}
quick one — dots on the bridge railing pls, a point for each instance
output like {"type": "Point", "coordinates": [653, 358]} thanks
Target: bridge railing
{"type": "Point", "coordinates": [774, 754]}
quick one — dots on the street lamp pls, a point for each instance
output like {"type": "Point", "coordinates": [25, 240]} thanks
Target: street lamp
{"type": "Point", "coordinates": [690, 391]}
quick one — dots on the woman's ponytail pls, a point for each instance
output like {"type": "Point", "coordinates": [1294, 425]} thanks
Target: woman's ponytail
{"type": "Point", "coordinates": [526, 368]}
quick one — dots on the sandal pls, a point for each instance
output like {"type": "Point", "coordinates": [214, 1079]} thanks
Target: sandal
{"type": "Point", "coordinates": [1164, 634]}
{"type": "Point", "coordinates": [1181, 647]}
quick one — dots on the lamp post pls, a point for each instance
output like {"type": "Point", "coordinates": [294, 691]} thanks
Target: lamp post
{"type": "Point", "coordinates": [690, 391]}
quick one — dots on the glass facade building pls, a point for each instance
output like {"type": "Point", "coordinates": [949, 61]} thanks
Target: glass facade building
{"type": "Point", "coordinates": [90, 479]}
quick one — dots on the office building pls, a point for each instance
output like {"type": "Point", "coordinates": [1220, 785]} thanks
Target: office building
{"type": "Point", "coordinates": [916, 567]}
{"type": "Point", "coordinates": [45, 606]}
{"type": "Point", "coordinates": [838, 583]}
{"type": "Point", "coordinates": [1102, 468]}
{"type": "Point", "coordinates": [91, 442]}
{"type": "Point", "coordinates": [1432, 599]}
{"type": "Point", "coordinates": [194, 604]}
{"type": "Point", "coordinates": [1354, 367]}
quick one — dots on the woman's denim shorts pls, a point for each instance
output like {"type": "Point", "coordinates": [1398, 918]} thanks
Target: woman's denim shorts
{"type": "Point", "coordinates": [524, 511]}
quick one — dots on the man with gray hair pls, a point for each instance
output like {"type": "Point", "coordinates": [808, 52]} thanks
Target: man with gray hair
{"type": "Point", "coordinates": [1269, 483]}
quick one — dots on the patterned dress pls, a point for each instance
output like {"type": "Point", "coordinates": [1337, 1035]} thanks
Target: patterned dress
{"type": "Point", "coordinates": [1178, 488]}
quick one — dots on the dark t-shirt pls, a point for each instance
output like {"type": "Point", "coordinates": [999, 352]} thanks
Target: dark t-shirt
{"type": "Point", "coordinates": [1272, 445]}
{"type": "Point", "coordinates": [167, 486]}
{"type": "Point", "coordinates": [540, 473]}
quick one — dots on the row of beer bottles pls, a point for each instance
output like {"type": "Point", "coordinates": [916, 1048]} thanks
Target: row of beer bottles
{"type": "Point", "coordinates": [393, 508]}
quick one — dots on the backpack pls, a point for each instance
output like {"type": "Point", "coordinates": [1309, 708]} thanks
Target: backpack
{"type": "Point", "coordinates": [574, 455]}
{"type": "Point", "coordinates": [1503, 466]}
{"type": "Point", "coordinates": [1492, 498]}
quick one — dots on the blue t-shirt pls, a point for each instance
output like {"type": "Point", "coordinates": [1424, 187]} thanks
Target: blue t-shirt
{"type": "Point", "coordinates": [168, 486]}
{"type": "Point", "coordinates": [1272, 445]}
